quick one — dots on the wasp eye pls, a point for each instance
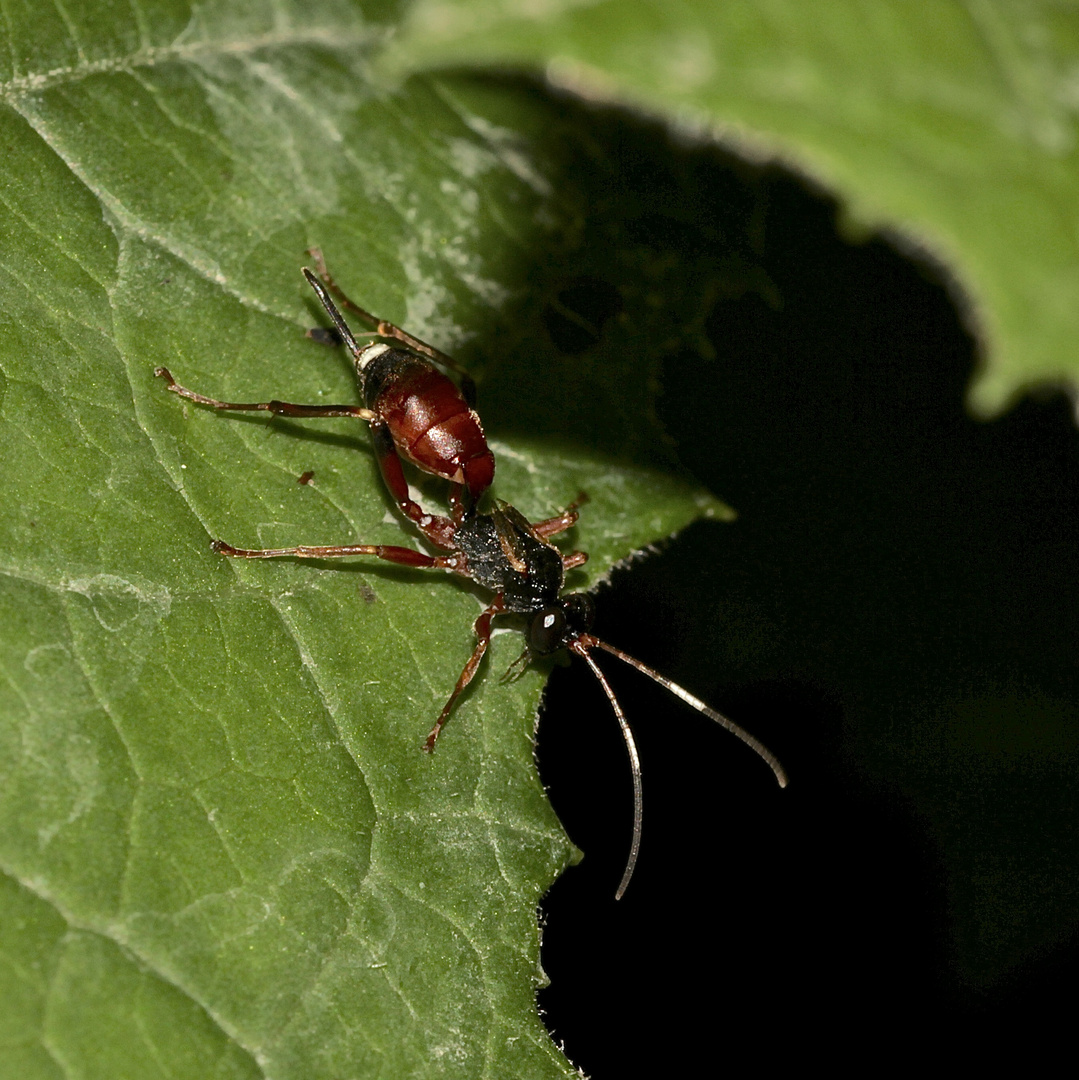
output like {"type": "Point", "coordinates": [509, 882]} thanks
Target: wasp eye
{"type": "Point", "coordinates": [546, 631]}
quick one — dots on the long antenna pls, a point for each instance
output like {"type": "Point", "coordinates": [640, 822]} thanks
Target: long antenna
{"type": "Point", "coordinates": [580, 647]}
{"type": "Point", "coordinates": [756, 745]}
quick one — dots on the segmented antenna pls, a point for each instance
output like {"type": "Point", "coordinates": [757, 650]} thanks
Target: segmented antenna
{"type": "Point", "coordinates": [634, 764]}
{"type": "Point", "coordinates": [587, 641]}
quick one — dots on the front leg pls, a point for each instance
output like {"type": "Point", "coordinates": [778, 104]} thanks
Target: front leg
{"type": "Point", "coordinates": [482, 627]}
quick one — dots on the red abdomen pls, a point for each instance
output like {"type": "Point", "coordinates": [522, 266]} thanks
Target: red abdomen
{"type": "Point", "coordinates": [433, 427]}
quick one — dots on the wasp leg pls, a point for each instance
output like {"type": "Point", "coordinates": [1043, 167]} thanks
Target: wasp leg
{"type": "Point", "coordinates": [438, 529]}
{"type": "Point", "coordinates": [278, 408]}
{"type": "Point", "coordinates": [401, 555]}
{"type": "Point", "coordinates": [482, 626]}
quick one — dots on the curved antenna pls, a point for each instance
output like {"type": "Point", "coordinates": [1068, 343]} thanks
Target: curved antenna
{"type": "Point", "coordinates": [634, 761]}
{"type": "Point", "coordinates": [758, 747]}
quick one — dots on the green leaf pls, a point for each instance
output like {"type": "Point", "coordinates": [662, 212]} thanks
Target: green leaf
{"type": "Point", "coordinates": [223, 850]}
{"type": "Point", "coordinates": [951, 125]}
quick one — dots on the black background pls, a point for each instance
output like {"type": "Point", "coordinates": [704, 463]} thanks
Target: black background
{"type": "Point", "coordinates": [893, 614]}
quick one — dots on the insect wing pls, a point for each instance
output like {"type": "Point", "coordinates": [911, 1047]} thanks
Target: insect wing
{"type": "Point", "coordinates": [512, 527]}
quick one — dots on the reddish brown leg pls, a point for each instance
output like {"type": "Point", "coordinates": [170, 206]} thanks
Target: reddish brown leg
{"type": "Point", "coordinates": [382, 327]}
{"type": "Point", "coordinates": [401, 555]}
{"type": "Point", "coordinates": [278, 408]}
{"type": "Point", "coordinates": [482, 626]}
{"type": "Point", "coordinates": [557, 524]}
{"type": "Point", "coordinates": [574, 558]}
{"type": "Point", "coordinates": [458, 506]}
{"type": "Point", "coordinates": [439, 530]}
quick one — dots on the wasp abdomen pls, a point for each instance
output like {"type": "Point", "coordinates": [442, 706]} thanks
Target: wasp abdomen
{"type": "Point", "coordinates": [431, 422]}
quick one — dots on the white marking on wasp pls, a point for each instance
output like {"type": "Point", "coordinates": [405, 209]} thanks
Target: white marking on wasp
{"type": "Point", "coordinates": [371, 352]}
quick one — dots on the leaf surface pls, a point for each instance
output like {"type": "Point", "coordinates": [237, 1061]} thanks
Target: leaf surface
{"type": "Point", "coordinates": [223, 850]}
{"type": "Point", "coordinates": [951, 125]}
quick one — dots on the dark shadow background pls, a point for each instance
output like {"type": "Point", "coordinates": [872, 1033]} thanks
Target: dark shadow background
{"type": "Point", "coordinates": [894, 614]}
